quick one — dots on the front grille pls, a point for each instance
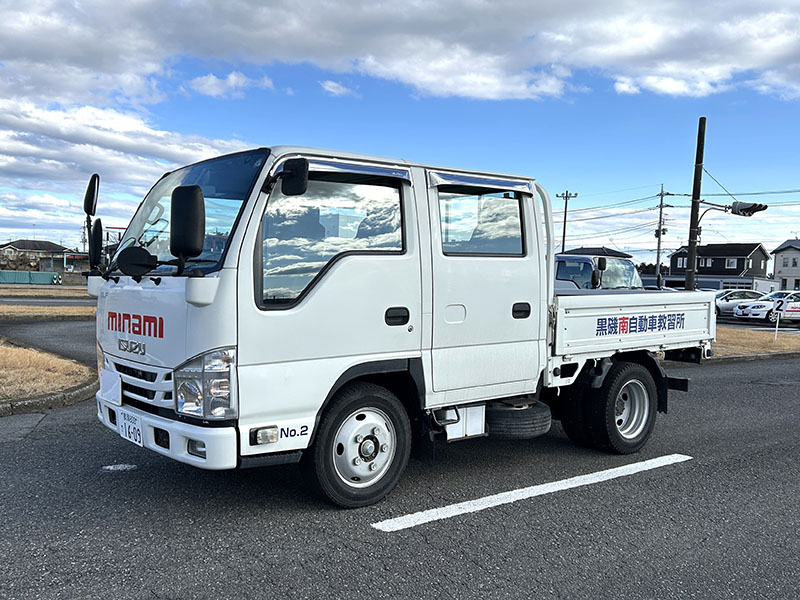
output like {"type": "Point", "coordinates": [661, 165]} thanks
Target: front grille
{"type": "Point", "coordinates": [139, 391]}
{"type": "Point", "coordinates": [152, 385]}
{"type": "Point", "coordinates": [137, 373]}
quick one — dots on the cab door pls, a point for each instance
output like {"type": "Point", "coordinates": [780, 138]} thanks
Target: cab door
{"type": "Point", "coordinates": [487, 286]}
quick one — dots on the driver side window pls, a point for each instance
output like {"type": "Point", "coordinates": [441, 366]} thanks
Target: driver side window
{"type": "Point", "coordinates": [339, 214]}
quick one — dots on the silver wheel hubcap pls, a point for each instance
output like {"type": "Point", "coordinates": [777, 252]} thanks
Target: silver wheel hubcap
{"type": "Point", "coordinates": [631, 409]}
{"type": "Point", "coordinates": [364, 447]}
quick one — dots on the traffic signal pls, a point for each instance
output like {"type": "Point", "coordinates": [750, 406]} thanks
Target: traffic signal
{"type": "Point", "coordinates": [746, 209]}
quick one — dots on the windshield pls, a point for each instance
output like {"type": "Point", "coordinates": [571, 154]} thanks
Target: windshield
{"type": "Point", "coordinates": [226, 183]}
{"type": "Point", "coordinates": [772, 295]}
{"type": "Point", "coordinates": [620, 273]}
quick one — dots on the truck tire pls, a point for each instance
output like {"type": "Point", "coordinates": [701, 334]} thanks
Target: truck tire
{"type": "Point", "coordinates": [621, 416]}
{"type": "Point", "coordinates": [509, 422]}
{"type": "Point", "coordinates": [362, 446]}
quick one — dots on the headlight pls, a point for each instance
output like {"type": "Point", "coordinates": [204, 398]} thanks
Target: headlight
{"type": "Point", "coordinates": [759, 306]}
{"type": "Point", "coordinates": [205, 386]}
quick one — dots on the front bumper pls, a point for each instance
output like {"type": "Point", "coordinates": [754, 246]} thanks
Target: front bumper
{"type": "Point", "coordinates": [220, 442]}
{"type": "Point", "coordinates": [750, 314]}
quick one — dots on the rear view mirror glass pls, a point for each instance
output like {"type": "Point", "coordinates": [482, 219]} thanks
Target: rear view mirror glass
{"type": "Point", "coordinates": [294, 178]}
{"type": "Point", "coordinates": [90, 197]}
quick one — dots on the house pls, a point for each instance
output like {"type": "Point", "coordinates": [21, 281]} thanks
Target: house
{"type": "Point", "coordinates": [787, 264]}
{"type": "Point", "coordinates": [726, 260]}
{"type": "Point", "coordinates": [38, 248]}
{"type": "Point", "coordinates": [34, 255]}
{"type": "Point", "coordinates": [722, 266]}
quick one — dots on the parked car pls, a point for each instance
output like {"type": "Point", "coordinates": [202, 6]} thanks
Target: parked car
{"type": "Point", "coordinates": [613, 272]}
{"type": "Point", "coordinates": [762, 307]}
{"type": "Point", "coordinates": [727, 300]}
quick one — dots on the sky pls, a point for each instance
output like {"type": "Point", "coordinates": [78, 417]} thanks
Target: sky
{"type": "Point", "coordinates": [599, 99]}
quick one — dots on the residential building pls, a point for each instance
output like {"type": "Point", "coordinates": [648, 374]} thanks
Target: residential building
{"type": "Point", "coordinates": [723, 266]}
{"type": "Point", "coordinates": [737, 260]}
{"type": "Point", "coordinates": [787, 264]}
{"type": "Point", "coordinates": [38, 248]}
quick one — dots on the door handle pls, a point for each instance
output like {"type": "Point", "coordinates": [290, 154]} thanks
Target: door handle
{"type": "Point", "coordinates": [396, 315]}
{"type": "Point", "coordinates": [521, 310]}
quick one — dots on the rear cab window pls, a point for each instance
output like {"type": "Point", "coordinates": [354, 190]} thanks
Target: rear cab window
{"type": "Point", "coordinates": [480, 222]}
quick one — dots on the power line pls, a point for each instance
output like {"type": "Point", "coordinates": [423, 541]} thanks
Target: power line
{"type": "Point", "coordinates": [614, 205]}
{"type": "Point", "coordinates": [641, 187]}
{"type": "Point", "coordinates": [614, 231]}
{"type": "Point", "coordinates": [764, 193]}
{"type": "Point", "coordinates": [633, 212]}
{"type": "Point", "coordinates": [719, 184]}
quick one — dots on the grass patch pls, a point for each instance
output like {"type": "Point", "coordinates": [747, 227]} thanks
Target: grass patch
{"type": "Point", "coordinates": [27, 373]}
{"type": "Point", "coordinates": [734, 342]}
{"type": "Point", "coordinates": [20, 312]}
{"type": "Point", "coordinates": [12, 290]}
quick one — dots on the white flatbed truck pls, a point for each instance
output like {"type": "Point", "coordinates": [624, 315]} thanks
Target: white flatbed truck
{"type": "Point", "coordinates": [290, 304]}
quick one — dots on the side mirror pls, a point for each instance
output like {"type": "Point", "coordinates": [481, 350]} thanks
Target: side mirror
{"type": "Point", "coordinates": [597, 278]}
{"type": "Point", "coordinates": [187, 221]}
{"type": "Point", "coordinates": [90, 197]}
{"type": "Point", "coordinates": [601, 263]}
{"type": "Point", "coordinates": [95, 244]}
{"type": "Point", "coordinates": [294, 178]}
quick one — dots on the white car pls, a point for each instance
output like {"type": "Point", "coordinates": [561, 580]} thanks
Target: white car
{"type": "Point", "coordinates": [762, 308]}
{"type": "Point", "coordinates": [727, 300]}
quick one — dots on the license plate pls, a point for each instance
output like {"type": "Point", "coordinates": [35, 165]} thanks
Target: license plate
{"type": "Point", "coordinates": [129, 426]}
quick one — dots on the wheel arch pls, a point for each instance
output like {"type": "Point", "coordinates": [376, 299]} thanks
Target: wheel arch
{"type": "Point", "coordinates": [403, 377]}
{"type": "Point", "coordinates": [594, 375]}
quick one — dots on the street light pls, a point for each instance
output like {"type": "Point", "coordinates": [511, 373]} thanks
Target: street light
{"type": "Point", "coordinates": [742, 209]}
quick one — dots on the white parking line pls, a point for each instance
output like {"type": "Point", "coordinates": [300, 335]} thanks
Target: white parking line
{"type": "Point", "coordinates": [118, 467]}
{"type": "Point", "coordinates": [471, 506]}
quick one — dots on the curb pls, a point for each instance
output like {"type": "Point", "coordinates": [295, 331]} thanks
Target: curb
{"type": "Point", "coordinates": [73, 395]}
{"type": "Point", "coordinates": [734, 358]}
{"type": "Point", "coordinates": [9, 318]}
{"type": "Point", "coordinates": [759, 356]}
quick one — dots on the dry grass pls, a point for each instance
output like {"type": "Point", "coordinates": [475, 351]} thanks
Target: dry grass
{"type": "Point", "coordinates": [12, 290]}
{"type": "Point", "coordinates": [732, 342]}
{"type": "Point", "coordinates": [26, 373]}
{"type": "Point", "coordinates": [19, 311]}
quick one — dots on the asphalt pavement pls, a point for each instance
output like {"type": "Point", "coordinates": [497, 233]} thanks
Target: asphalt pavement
{"type": "Point", "coordinates": [87, 514]}
{"type": "Point", "coordinates": [70, 339]}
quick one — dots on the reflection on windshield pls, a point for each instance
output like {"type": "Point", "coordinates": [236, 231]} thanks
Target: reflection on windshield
{"type": "Point", "coordinates": [301, 234]}
{"type": "Point", "coordinates": [620, 273]}
{"type": "Point", "coordinates": [226, 182]}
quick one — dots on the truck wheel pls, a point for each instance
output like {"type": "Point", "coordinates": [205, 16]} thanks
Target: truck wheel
{"type": "Point", "coordinates": [362, 446]}
{"type": "Point", "coordinates": [622, 415]}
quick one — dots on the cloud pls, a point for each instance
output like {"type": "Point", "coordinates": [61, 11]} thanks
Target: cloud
{"type": "Point", "coordinates": [232, 86]}
{"type": "Point", "coordinates": [480, 50]}
{"type": "Point", "coordinates": [47, 155]}
{"type": "Point", "coordinates": [625, 85]}
{"type": "Point", "coordinates": [336, 89]}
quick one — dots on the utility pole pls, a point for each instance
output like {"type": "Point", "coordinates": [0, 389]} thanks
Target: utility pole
{"type": "Point", "coordinates": [566, 196]}
{"type": "Point", "coordinates": [694, 222]}
{"type": "Point", "coordinates": [660, 232]}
